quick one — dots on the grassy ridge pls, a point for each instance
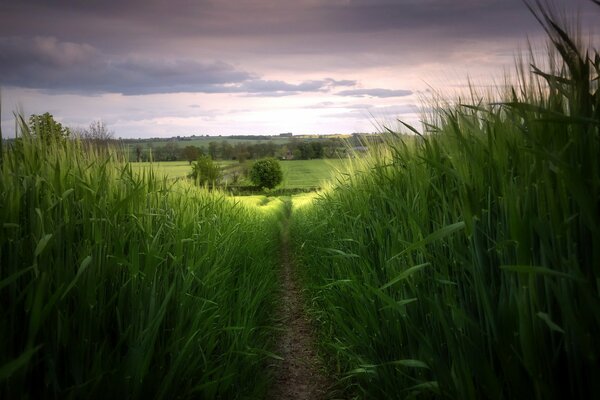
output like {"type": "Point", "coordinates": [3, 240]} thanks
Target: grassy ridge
{"type": "Point", "coordinates": [117, 284]}
{"type": "Point", "coordinates": [464, 263]}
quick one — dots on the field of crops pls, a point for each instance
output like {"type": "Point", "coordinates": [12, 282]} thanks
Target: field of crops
{"type": "Point", "coordinates": [464, 263]}
{"type": "Point", "coordinates": [117, 284]}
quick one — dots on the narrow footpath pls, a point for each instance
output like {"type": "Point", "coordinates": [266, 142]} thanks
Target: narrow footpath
{"type": "Point", "coordinates": [300, 375]}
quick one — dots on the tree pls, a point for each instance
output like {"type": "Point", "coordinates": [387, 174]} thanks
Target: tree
{"type": "Point", "coordinates": [304, 151]}
{"type": "Point", "coordinates": [226, 150]}
{"type": "Point", "coordinates": [213, 148]}
{"type": "Point", "coordinates": [191, 153]}
{"type": "Point", "coordinates": [240, 152]}
{"type": "Point", "coordinates": [98, 132]}
{"type": "Point", "coordinates": [138, 152]}
{"type": "Point", "coordinates": [266, 173]}
{"type": "Point", "coordinates": [317, 148]}
{"type": "Point", "coordinates": [98, 135]}
{"type": "Point", "coordinates": [46, 128]}
{"type": "Point", "coordinates": [171, 151]}
{"type": "Point", "coordinates": [205, 171]}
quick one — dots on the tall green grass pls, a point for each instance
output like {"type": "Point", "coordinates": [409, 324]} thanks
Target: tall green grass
{"type": "Point", "coordinates": [465, 262]}
{"type": "Point", "coordinates": [123, 284]}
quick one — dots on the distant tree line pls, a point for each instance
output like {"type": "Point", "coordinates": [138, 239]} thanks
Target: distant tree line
{"type": "Point", "coordinates": [97, 135]}
{"type": "Point", "coordinates": [224, 150]}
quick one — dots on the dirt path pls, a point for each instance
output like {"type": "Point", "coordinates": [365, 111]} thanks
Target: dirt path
{"type": "Point", "coordinates": [300, 373]}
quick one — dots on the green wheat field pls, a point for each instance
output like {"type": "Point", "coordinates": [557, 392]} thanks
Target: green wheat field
{"type": "Point", "coordinates": [457, 261]}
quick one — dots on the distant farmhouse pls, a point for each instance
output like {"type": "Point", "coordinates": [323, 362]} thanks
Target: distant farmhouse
{"type": "Point", "coordinates": [287, 134]}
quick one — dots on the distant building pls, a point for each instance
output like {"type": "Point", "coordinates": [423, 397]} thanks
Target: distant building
{"type": "Point", "coordinates": [288, 134]}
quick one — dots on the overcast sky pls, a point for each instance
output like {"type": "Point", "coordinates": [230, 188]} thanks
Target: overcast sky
{"type": "Point", "coordinates": [180, 67]}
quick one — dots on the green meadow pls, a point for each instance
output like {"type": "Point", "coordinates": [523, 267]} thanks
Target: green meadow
{"type": "Point", "coordinates": [457, 261]}
{"type": "Point", "coordinates": [311, 173]}
{"type": "Point", "coordinates": [296, 173]}
{"type": "Point", "coordinates": [172, 169]}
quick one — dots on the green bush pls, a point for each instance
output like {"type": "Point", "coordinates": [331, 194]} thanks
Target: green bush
{"type": "Point", "coordinates": [266, 173]}
{"type": "Point", "coordinates": [205, 171]}
{"type": "Point", "coordinates": [47, 128]}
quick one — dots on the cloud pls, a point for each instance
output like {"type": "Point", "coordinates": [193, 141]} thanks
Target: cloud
{"type": "Point", "coordinates": [277, 88]}
{"type": "Point", "coordinates": [313, 26]}
{"type": "Point", "coordinates": [376, 113]}
{"type": "Point", "coordinates": [47, 63]}
{"type": "Point", "coordinates": [258, 17]}
{"type": "Point", "coordinates": [311, 35]}
{"type": "Point", "coordinates": [375, 93]}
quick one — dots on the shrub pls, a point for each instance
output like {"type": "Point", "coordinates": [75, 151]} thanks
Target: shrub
{"type": "Point", "coordinates": [47, 128]}
{"type": "Point", "coordinates": [266, 173]}
{"type": "Point", "coordinates": [205, 171]}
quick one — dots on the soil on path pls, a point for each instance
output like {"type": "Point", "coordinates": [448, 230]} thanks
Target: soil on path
{"type": "Point", "coordinates": [300, 375]}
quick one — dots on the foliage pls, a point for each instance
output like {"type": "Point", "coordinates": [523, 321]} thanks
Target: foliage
{"type": "Point", "coordinates": [463, 263]}
{"type": "Point", "coordinates": [98, 132]}
{"type": "Point", "coordinates": [266, 173]}
{"type": "Point", "coordinates": [96, 135]}
{"type": "Point", "coordinates": [205, 171]}
{"type": "Point", "coordinates": [138, 153]}
{"type": "Point", "coordinates": [191, 153]}
{"type": "Point", "coordinates": [308, 150]}
{"type": "Point", "coordinates": [117, 284]}
{"type": "Point", "coordinates": [169, 152]}
{"type": "Point", "coordinates": [246, 148]}
{"type": "Point", "coordinates": [47, 128]}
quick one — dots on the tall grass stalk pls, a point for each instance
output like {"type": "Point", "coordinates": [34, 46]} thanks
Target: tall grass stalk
{"type": "Point", "coordinates": [464, 263]}
{"type": "Point", "coordinates": [123, 284]}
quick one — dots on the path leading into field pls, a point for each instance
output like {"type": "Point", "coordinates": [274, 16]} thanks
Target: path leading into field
{"type": "Point", "coordinates": [300, 374]}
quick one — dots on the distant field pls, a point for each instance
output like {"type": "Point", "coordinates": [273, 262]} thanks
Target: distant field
{"type": "Point", "coordinates": [309, 173]}
{"type": "Point", "coordinates": [266, 203]}
{"type": "Point", "coordinates": [296, 173]}
{"type": "Point", "coordinates": [173, 169]}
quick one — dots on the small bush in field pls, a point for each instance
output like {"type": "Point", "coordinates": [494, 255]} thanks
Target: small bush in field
{"type": "Point", "coordinates": [205, 171]}
{"type": "Point", "coordinates": [266, 173]}
{"type": "Point", "coordinates": [47, 128]}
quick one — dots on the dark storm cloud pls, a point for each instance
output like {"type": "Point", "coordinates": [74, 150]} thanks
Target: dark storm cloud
{"type": "Point", "coordinates": [259, 17]}
{"type": "Point", "coordinates": [96, 39]}
{"type": "Point", "coordinates": [377, 92]}
{"type": "Point", "coordinates": [176, 18]}
{"type": "Point", "coordinates": [47, 63]}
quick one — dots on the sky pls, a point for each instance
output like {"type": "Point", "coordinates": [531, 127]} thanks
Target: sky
{"type": "Point", "coordinates": [162, 68]}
